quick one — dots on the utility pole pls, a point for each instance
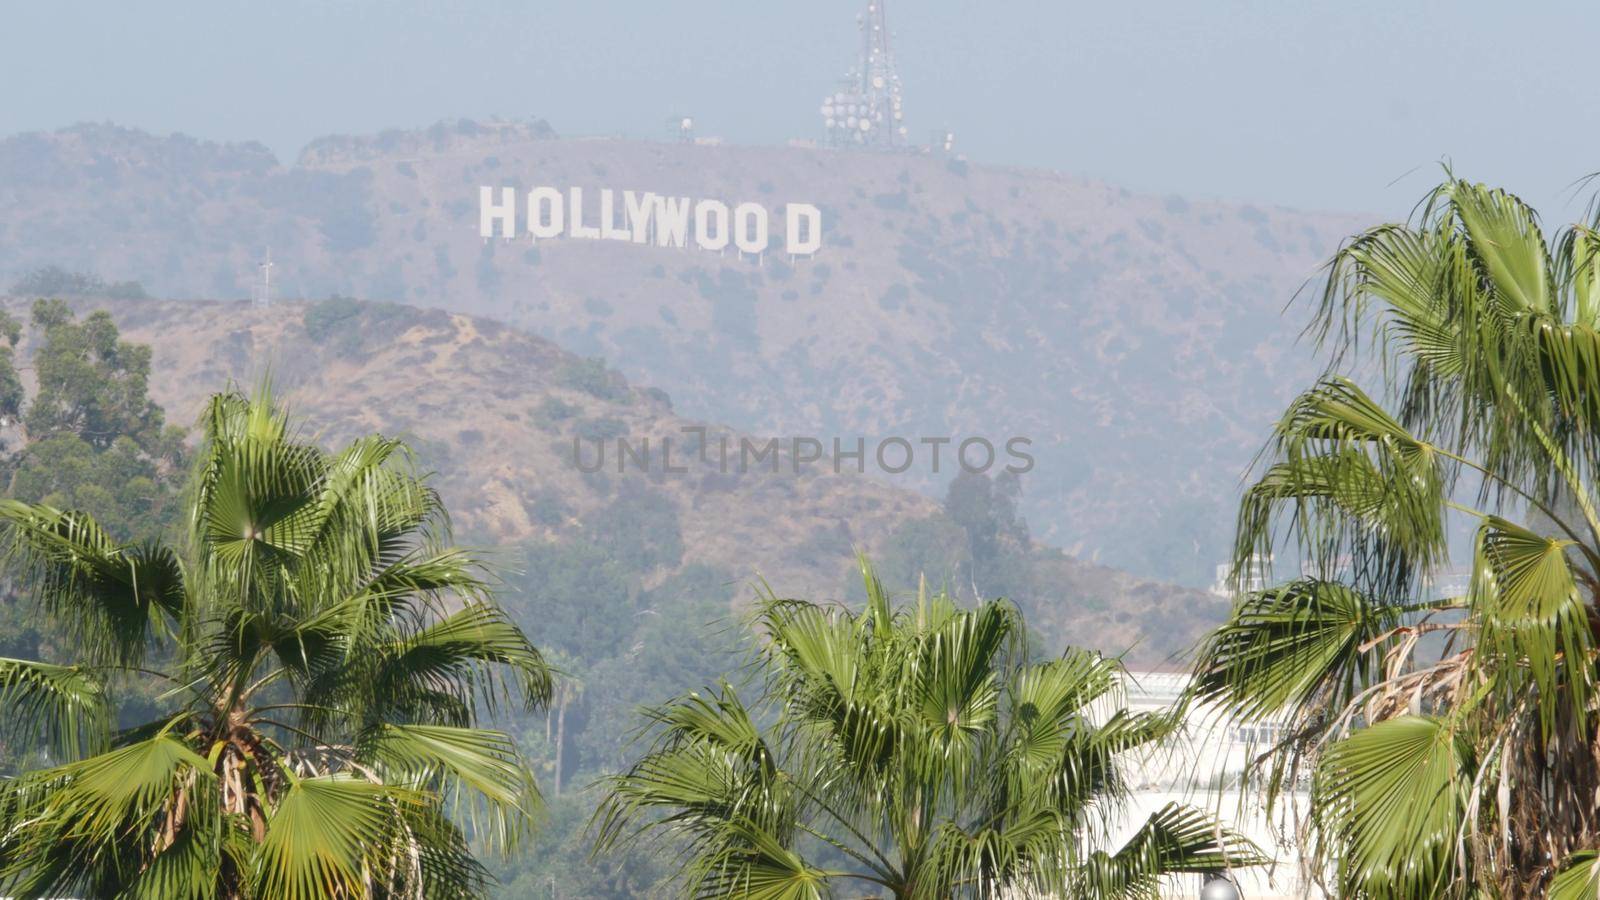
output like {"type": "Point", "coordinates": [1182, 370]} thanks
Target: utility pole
{"type": "Point", "coordinates": [263, 292]}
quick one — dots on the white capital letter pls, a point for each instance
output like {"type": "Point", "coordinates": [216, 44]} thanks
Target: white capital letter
{"type": "Point", "coordinates": [538, 225]}
{"type": "Point", "coordinates": [608, 219]}
{"type": "Point", "coordinates": [575, 203]}
{"type": "Point", "coordinates": [490, 212]}
{"type": "Point", "coordinates": [750, 228]}
{"type": "Point", "coordinates": [638, 210]}
{"type": "Point", "coordinates": [794, 215]}
{"type": "Point", "coordinates": [672, 221]}
{"type": "Point", "coordinates": [704, 212]}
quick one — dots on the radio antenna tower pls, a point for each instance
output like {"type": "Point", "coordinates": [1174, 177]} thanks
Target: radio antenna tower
{"type": "Point", "coordinates": [263, 293]}
{"type": "Point", "coordinates": [866, 108]}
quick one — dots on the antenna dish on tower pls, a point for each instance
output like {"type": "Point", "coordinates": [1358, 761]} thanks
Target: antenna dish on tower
{"type": "Point", "coordinates": [870, 92]}
{"type": "Point", "coordinates": [681, 128]}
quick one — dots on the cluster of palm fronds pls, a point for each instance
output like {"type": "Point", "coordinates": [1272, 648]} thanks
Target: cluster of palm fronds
{"type": "Point", "coordinates": [326, 652]}
{"type": "Point", "coordinates": [913, 752]}
{"type": "Point", "coordinates": [1449, 742]}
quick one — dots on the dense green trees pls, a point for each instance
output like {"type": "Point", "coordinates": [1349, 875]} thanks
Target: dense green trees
{"type": "Point", "coordinates": [80, 432]}
{"type": "Point", "coordinates": [977, 545]}
{"type": "Point", "coordinates": [54, 281]}
{"type": "Point", "coordinates": [915, 752]}
{"type": "Point", "coordinates": [89, 437]}
{"type": "Point", "coordinates": [1451, 741]}
{"type": "Point", "coordinates": [327, 653]}
{"type": "Point", "coordinates": [622, 638]}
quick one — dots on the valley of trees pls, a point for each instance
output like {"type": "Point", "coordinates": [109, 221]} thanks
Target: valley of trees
{"type": "Point", "coordinates": [612, 605]}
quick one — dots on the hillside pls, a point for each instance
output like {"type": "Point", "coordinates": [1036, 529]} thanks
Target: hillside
{"type": "Point", "coordinates": [1137, 340]}
{"type": "Point", "coordinates": [493, 411]}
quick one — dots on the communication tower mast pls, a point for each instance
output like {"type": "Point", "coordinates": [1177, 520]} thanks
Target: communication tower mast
{"type": "Point", "coordinates": [865, 110]}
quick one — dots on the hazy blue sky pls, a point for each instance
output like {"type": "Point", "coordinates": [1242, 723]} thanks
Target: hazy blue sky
{"type": "Point", "coordinates": [1304, 104]}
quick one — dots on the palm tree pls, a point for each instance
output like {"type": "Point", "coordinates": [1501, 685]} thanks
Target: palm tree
{"type": "Point", "coordinates": [327, 654]}
{"type": "Point", "coordinates": [1448, 742]}
{"type": "Point", "coordinates": [907, 752]}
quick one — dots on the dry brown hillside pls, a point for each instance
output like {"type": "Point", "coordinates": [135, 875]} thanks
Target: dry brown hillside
{"type": "Point", "coordinates": [493, 410]}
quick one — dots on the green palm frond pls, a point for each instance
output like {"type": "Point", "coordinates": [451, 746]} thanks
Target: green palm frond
{"type": "Point", "coordinates": [331, 837]}
{"type": "Point", "coordinates": [1050, 701]}
{"type": "Point", "coordinates": [85, 821]}
{"type": "Point", "coordinates": [1309, 643]}
{"type": "Point", "coordinates": [1503, 234]}
{"type": "Point", "coordinates": [1405, 270]}
{"type": "Point", "coordinates": [122, 788]}
{"type": "Point", "coordinates": [484, 779]}
{"type": "Point", "coordinates": [1394, 796]}
{"type": "Point", "coordinates": [1579, 877]}
{"type": "Point", "coordinates": [1063, 757]}
{"type": "Point", "coordinates": [158, 578]}
{"type": "Point", "coordinates": [1175, 839]}
{"type": "Point", "coordinates": [710, 773]}
{"type": "Point", "coordinates": [721, 721]}
{"type": "Point", "coordinates": [184, 867]}
{"type": "Point", "coordinates": [817, 645]}
{"type": "Point", "coordinates": [755, 865]}
{"type": "Point", "coordinates": [108, 598]}
{"type": "Point", "coordinates": [303, 645]}
{"type": "Point", "coordinates": [1578, 262]}
{"type": "Point", "coordinates": [958, 688]}
{"type": "Point", "coordinates": [259, 490]}
{"type": "Point", "coordinates": [371, 511]}
{"type": "Point", "coordinates": [446, 866]}
{"type": "Point", "coordinates": [1524, 594]}
{"type": "Point", "coordinates": [1361, 491]}
{"type": "Point", "coordinates": [1021, 855]}
{"type": "Point", "coordinates": [1338, 412]}
{"type": "Point", "coordinates": [450, 664]}
{"type": "Point", "coordinates": [65, 704]}
{"type": "Point", "coordinates": [418, 583]}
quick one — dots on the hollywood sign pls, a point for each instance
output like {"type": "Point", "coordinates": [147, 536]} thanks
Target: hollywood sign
{"type": "Point", "coordinates": [643, 217]}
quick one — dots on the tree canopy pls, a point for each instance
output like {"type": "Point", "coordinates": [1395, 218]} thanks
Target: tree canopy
{"type": "Point", "coordinates": [328, 654]}
{"type": "Point", "coordinates": [917, 751]}
{"type": "Point", "coordinates": [1448, 733]}
{"type": "Point", "coordinates": [89, 437]}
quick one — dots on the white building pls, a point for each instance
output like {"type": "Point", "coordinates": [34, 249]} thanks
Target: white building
{"type": "Point", "coordinates": [1257, 575]}
{"type": "Point", "coordinates": [1201, 768]}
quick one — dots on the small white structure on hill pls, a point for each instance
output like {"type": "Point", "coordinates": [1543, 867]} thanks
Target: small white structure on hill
{"type": "Point", "coordinates": [1256, 578]}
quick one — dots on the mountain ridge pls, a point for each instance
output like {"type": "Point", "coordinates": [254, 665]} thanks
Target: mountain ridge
{"type": "Point", "coordinates": [1137, 340]}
